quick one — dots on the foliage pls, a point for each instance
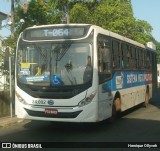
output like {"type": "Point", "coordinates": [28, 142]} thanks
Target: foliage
{"type": "Point", "coordinates": [39, 13]}
{"type": "Point", "coordinates": [10, 42]}
{"type": "Point", "coordinates": [80, 10]}
{"type": "Point", "coordinates": [142, 31]}
{"type": "Point", "coordinates": [113, 18]}
{"type": "Point", "coordinates": [114, 15]}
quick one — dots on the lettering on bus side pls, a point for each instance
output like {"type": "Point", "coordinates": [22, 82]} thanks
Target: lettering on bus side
{"type": "Point", "coordinates": [134, 78]}
{"type": "Point", "coordinates": [131, 78]}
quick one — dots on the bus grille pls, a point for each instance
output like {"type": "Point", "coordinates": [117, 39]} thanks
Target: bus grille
{"type": "Point", "coordinates": [58, 115]}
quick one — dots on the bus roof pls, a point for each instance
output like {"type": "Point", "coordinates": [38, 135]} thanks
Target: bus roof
{"type": "Point", "coordinates": [61, 25]}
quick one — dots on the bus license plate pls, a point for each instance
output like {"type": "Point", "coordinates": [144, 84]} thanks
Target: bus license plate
{"type": "Point", "coordinates": [51, 111]}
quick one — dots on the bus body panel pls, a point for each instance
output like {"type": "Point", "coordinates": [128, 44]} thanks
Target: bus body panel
{"type": "Point", "coordinates": [131, 86]}
{"type": "Point", "coordinates": [87, 113]}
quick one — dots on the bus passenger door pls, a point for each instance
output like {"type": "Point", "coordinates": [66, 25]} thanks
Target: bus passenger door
{"type": "Point", "coordinates": [105, 101]}
{"type": "Point", "coordinates": [104, 74]}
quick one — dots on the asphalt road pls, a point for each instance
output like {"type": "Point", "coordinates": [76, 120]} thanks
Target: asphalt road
{"type": "Point", "coordinates": [137, 125]}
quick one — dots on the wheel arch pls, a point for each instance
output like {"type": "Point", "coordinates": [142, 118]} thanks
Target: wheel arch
{"type": "Point", "coordinates": [117, 95]}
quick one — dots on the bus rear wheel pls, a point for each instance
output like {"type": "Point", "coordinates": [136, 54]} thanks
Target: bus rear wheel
{"type": "Point", "coordinates": [146, 98]}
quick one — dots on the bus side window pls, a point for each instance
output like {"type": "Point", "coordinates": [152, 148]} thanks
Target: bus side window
{"type": "Point", "coordinates": [142, 52]}
{"type": "Point", "coordinates": [151, 61]}
{"type": "Point", "coordinates": [148, 61]}
{"type": "Point", "coordinates": [139, 59]}
{"type": "Point", "coordinates": [104, 59]}
{"type": "Point", "coordinates": [116, 55]}
{"type": "Point", "coordinates": [124, 58]}
{"type": "Point", "coordinates": [100, 65]}
{"type": "Point", "coordinates": [104, 63]}
{"type": "Point", "coordinates": [145, 60]}
{"type": "Point", "coordinates": [137, 65]}
{"type": "Point", "coordinates": [133, 59]}
{"type": "Point", "coordinates": [119, 55]}
{"type": "Point", "coordinates": [128, 57]}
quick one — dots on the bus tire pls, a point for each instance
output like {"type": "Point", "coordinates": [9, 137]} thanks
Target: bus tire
{"type": "Point", "coordinates": [146, 97]}
{"type": "Point", "coordinates": [117, 103]}
{"type": "Point", "coordinates": [114, 114]}
{"type": "Point", "coordinates": [116, 108]}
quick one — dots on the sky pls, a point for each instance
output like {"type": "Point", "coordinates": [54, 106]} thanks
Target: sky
{"type": "Point", "coordinates": [5, 7]}
{"type": "Point", "coordinates": [148, 10]}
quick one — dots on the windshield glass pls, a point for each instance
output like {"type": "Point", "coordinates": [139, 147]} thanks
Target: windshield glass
{"type": "Point", "coordinates": [54, 64]}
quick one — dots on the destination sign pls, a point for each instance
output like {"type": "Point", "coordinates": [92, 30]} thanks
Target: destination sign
{"type": "Point", "coordinates": [53, 32]}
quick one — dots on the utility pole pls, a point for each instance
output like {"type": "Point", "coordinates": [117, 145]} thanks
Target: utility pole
{"type": "Point", "coordinates": [68, 13]}
{"type": "Point", "coordinates": [12, 18]}
{"type": "Point", "coordinates": [10, 69]}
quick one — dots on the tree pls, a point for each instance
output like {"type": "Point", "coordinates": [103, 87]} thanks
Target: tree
{"type": "Point", "coordinates": [39, 13]}
{"type": "Point", "coordinates": [117, 16]}
{"type": "Point", "coordinates": [80, 14]}
{"type": "Point", "coordinates": [142, 31]}
{"type": "Point", "coordinates": [114, 15]}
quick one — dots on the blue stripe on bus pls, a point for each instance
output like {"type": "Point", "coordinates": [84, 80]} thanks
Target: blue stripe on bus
{"type": "Point", "coordinates": [126, 79]}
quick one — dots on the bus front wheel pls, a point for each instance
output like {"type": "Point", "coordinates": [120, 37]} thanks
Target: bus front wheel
{"type": "Point", "coordinates": [117, 103]}
{"type": "Point", "coordinates": [116, 108]}
{"type": "Point", "coordinates": [114, 114]}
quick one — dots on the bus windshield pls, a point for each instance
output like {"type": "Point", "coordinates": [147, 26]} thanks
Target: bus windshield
{"type": "Point", "coordinates": [54, 64]}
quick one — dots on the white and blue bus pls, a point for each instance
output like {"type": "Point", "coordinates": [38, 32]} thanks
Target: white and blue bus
{"type": "Point", "coordinates": [80, 73]}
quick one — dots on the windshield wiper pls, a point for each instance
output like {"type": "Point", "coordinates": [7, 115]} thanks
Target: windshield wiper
{"type": "Point", "coordinates": [65, 48]}
{"type": "Point", "coordinates": [61, 50]}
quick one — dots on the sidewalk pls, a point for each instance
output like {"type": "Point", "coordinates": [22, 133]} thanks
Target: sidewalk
{"type": "Point", "coordinates": [7, 121]}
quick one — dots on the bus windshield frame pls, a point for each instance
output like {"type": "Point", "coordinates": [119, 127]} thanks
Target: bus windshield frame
{"type": "Point", "coordinates": [73, 55]}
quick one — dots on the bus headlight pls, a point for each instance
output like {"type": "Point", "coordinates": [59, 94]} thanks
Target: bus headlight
{"type": "Point", "coordinates": [21, 99]}
{"type": "Point", "coordinates": [87, 100]}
